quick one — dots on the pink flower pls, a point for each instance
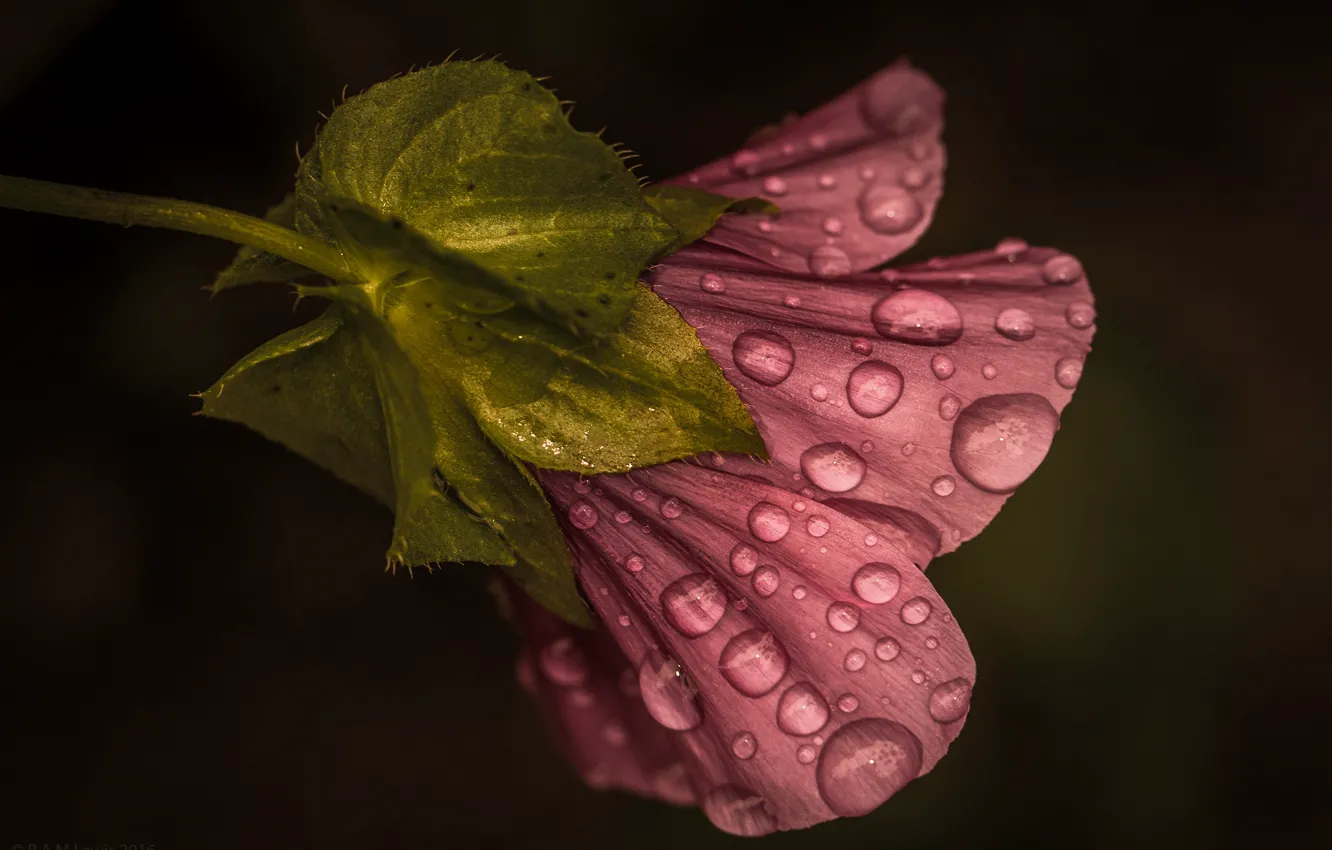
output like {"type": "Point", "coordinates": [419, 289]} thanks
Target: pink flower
{"type": "Point", "coordinates": [772, 650]}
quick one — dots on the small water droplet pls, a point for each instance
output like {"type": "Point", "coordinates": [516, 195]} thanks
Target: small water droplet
{"type": "Point", "coordinates": [908, 449]}
{"type": "Point", "coordinates": [799, 592]}
{"type": "Point", "coordinates": [864, 763]}
{"type": "Point", "coordinates": [866, 173]}
{"type": "Point", "coordinates": [942, 366]}
{"type": "Point", "coordinates": [774, 186]}
{"type": "Point", "coordinates": [876, 583]}
{"type": "Point", "coordinates": [746, 162]}
{"type": "Point", "coordinates": [847, 703]}
{"type": "Point", "coordinates": [829, 261]}
{"type": "Point", "coordinates": [563, 663]}
{"type": "Point", "coordinates": [623, 620]}
{"type": "Point", "coordinates": [806, 753]}
{"type": "Point", "coordinates": [1062, 269]}
{"type": "Point", "coordinates": [855, 660]}
{"type": "Point", "coordinates": [739, 811]}
{"type": "Point", "coordinates": [798, 506]}
{"type": "Point", "coordinates": [915, 177]}
{"type": "Point", "coordinates": [949, 406]}
{"type": "Point", "coordinates": [744, 746]}
{"type": "Point", "coordinates": [931, 642]}
{"type": "Point", "coordinates": [871, 539]}
{"type": "Point", "coordinates": [583, 515]}
{"type": "Point", "coordinates": [819, 392]}
{"type": "Point", "coordinates": [867, 447]}
{"type": "Point", "coordinates": [671, 508]}
{"type": "Point", "coordinates": [765, 226]}
{"type": "Point", "coordinates": [668, 694]}
{"type": "Point", "coordinates": [887, 649]}
{"type": "Point", "coordinates": [834, 467]}
{"type": "Point", "coordinates": [827, 181]}
{"type": "Point", "coordinates": [744, 559]}
{"type": "Point", "coordinates": [1010, 247]}
{"type": "Point", "coordinates": [950, 701]}
{"type": "Point", "coordinates": [768, 522]}
{"type": "Point", "coordinates": [817, 526]}
{"type": "Point", "coordinates": [916, 611]}
{"type": "Point", "coordinates": [918, 676]}
{"type": "Point", "coordinates": [843, 617]}
{"type": "Point", "coordinates": [889, 209]}
{"type": "Point", "coordinates": [873, 388]}
{"type": "Point", "coordinates": [998, 441]}
{"type": "Point", "coordinates": [818, 141]}
{"type": "Point", "coordinates": [763, 356]}
{"type": "Point", "coordinates": [1080, 315]}
{"type": "Point", "coordinates": [693, 604]}
{"type": "Point", "coordinates": [635, 563]}
{"type": "Point", "coordinates": [740, 603]}
{"type": "Point", "coordinates": [623, 517]}
{"type": "Point", "coordinates": [860, 345]}
{"type": "Point", "coordinates": [832, 225]}
{"type": "Point", "coordinates": [944, 485]}
{"type": "Point", "coordinates": [989, 372]}
{"type": "Point", "coordinates": [583, 486]}
{"type": "Point", "coordinates": [917, 316]}
{"type": "Point", "coordinates": [1016, 324]}
{"type": "Point", "coordinates": [801, 710]}
{"type": "Point", "coordinates": [640, 495]}
{"type": "Point", "coordinates": [754, 662]}
{"type": "Point", "coordinates": [1068, 372]}
{"type": "Point", "coordinates": [765, 581]}
{"type": "Point", "coordinates": [711, 283]}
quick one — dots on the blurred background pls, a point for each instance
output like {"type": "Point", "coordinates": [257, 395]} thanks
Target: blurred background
{"type": "Point", "coordinates": [199, 648]}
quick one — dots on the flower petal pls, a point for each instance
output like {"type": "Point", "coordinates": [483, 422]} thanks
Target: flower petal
{"type": "Point", "coordinates": [915, 400]}
{"type": "Point", "coordinates": [857, 179]}
{"type": "Point", "coordinates": [796, 672]}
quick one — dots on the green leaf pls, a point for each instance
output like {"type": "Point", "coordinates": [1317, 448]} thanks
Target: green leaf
{"type": "Point", "coordinates": [693, 212]}
{"type": "Point", "coordinates": [254, 266]}
{"type": "Point", "coordinates": [482, 160]}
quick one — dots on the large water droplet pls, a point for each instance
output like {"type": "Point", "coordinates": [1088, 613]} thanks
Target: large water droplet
{"type": "Point", "coordinates": [886, 649]}
{"type": "Point", "coordinates": [843, 617]}
{"type": "Point", "coordinates": [916, 611]}
{"type": "Point", "coordinates": [835, 467]}
{"type": "Point", "coordinates": [744, 746]}
{"type": "Point", "coordinates": [1080, 315]}
{"type": "Point", "coordinates": [563, 663]}
{"type": "Point", "coordinates": [917, 316]}
{"type": "Point", "coordinates": [763, 356]}
{"type": "Point", "coordinates": [739, 811]}
{"type": "Point", "coordinates": [1068, 372]}
{"type": "Point", "coordinates": [765, 581]}
{"type": "Point", "coordinates": [873, 388]}
{"type": "Point", "coordinates": [889, 209]}
{"type": "Point", "coordinates": [711, 283]}
{"type": "Point", "coordinates": [866, 762]}
{"type": "Point", "coordinates": [582, 514]}
{"type": "Point", "coordinates": [1015, 324]}
{"type": "Point", "coordinates": [950, 701]}
{"type": "Point", "coordinates": [829, 261]}
{"type": "Point", "coordinates": [1062, 269]}
{"type": "Point", "coordinates": [754, 662]}
{"type": "Point", "coordinates": [744, 558]}
{"type": "Point", "coordinates": [876, 583]}
{"type": "Point", "coordinates": [942, 366]}
{"type": "Point", "coordinates": [999, 440]}
{"type": "Point", "coordinates": [801, 710]}
{"type": "Point", "coordinates": [768, 522]}
{"type": "Point", "coordinates": [693, 604]}
{"type": "Point", "coordinates": [667, 693]}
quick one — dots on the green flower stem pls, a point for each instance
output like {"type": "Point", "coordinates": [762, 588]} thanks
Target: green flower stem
{"type": "Point", "coordinates": [118, 208]}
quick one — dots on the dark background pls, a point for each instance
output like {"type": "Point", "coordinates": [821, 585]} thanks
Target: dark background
{"type": "Point", "coordinates": [200, 649]}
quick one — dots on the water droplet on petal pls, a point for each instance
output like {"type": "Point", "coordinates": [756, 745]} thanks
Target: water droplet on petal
{"type": "Point", "coordinates": [765, 581]}
{"type": "Point", "coordinates": [583, 486]}
{"type": "Point", "coordinates": [950, 701]}
{"type": "Point", "coordinates": [623, 620]}
{"type": "Point", "coordinates": [908, 449]}
{"type": "Point", "coordinates": [744, 746]}
{"type": "Point", "coordinates": [1080, 315]}
{"type": "Point", "coordinates": [886, 649]}
{"type": "Point", "coordinates": [860, 345]}
{"type": "Point", "coordinates": [671, 508]}
{"type": "Point", "coordinates": [799, 592]}
{"type": "Point", "coordinates": [746, 162]}
{"type": "Point", "coordinates": [768, 522]}
{"type": "Point", "coordinates": [739, 811]}
{"type": "Point", "coordinates": [918, 676]}
{"type": "Point", "coordinates": [832, 225]}
{"type": "Point", "coordinates": [744, 558]}
{"type": "Point", "coordinates": [949, 406]}
{"type": "Point", "coordinates": [867, 447]}
{"type": "Point", "coordinates": [817, 526]}
{"type": "Point", "coordinates": [873, 388]}
{"type": "Point", "coordinates": [754, 662]}
{"type": "Point", "coordinates": [915, 177]}
{"type": "Point", "coordinates": [917, 316]}
{"type": "Point", "coordinates": [774, 186]}
{"type": "Point", "coordinates": [827, 181]}
{"type": "Point", "coordinates": [944, 485]}
{"type": "Point", "coordinates": [1010, 248]}
{"type": "Point", "coordinates": [563, 663]}
{"type": "Point", "coordinates": [847, 703]}
{"type": "Point", "coordinates": [801, 710]}
{"type": "Point", "coordinates": [1016, 324]}
{"type": "Point", "coordinates": [829, 261]}
{"type": "Point", "coordinates": [989, 372]}
{"type": "Point", "coordinates": [763, 356]}
{"type": "Point", "coordinates": [711, 283]}
{"type": "Point", "coordinates": [889, 209]}
{"type": "Point", "coordinates": [843, 617]}
{"type": "Point", "coordinates": [942, 366]}
{"type": "Point", "coordinates": [640, 495]}
{"type": "Point", "coordinates": [583, 515]}
{"type": "Point", "coordinates": [864, 763]}
{"type": "Point", "coordinates": [855, 660]}
{"type": "Point", "coordinates": [668, 694]}
{"type": "Point", "coordinates": [834, 467]}
{"type": "Point", "coordinates": [871, 539]}
{"type": "Point", "coordinates": [818, 141]}
{"type": "Point", "coordinates": [819, 392]}
{"type": "Point", "coordinates": [634, 563]}
{"type": "Point", "coordinates": [931, 642]}
{"type": "Point", "coordinates": [765, 226]}
{"type": "Point", "coordinates": [805, 754]}
{"type": "Point", "coordinates": [1068, 372]}
{"type": "Point", "coordinates": [1062, 269]}
{"type": "Point", "coordinates": [623, 517]}
{"type": "Point", "coordinates": [876, 583]}
{"type": "Point", "coordinates": [999, 440]}
{"type": "Point", "coordinates": [916, 611]}
{"type": "Point", "coordinates": [693, 604]}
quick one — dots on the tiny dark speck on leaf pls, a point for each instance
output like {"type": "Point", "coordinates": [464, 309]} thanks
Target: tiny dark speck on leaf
{"type": "Point", "coordinates": [527, 86]}
{"type": "Point", "coordinates": [397, 224]}
{"type": "Point", "coordinates": [471, 186]}
{"type": "Point", "coordinates": [581, 313]}
{"type": "Point", "coordinates": [429, 304]}
{"type": "Point", "coordinates": [275, 388]}
{"type": "Point", "coordinates": [610, 275]}
{"type": "Point", "coordinates": [603, 300]}
{"type": "Point", "coordinates": [520, 277]}
{"type": "Point", "coordinates": [605, 176]}
{"type": "Point", "coordinates": [541, 253]}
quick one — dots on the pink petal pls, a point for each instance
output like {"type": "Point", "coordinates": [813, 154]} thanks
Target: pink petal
{"type": "Point", "coordinates": [857, 179]}
{"type": "Point", "coordinates": [914, 401]}
{"type": "Point", "coordinates": [797, 676]}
